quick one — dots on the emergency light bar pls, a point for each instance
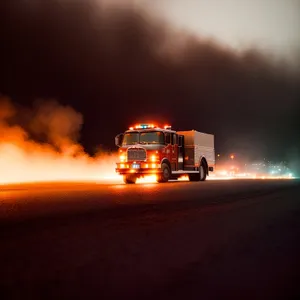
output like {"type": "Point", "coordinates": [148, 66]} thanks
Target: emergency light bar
{"type": "Point", "coordinates": [146, 126]}
{"type": "Point", "coordinates": [142, 126]}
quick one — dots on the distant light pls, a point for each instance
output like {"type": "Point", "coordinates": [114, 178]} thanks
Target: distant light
{"type": "Point", "coordinates": [232, 156]}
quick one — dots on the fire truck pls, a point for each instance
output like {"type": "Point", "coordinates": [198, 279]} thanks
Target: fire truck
{"type": "Point", "coordinates": [146, 149]}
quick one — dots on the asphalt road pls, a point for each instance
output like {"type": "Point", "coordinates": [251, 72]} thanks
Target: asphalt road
{"type": "Point", "coordinates": [236, 239]}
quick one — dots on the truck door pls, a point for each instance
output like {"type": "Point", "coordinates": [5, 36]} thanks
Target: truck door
{"type": "Point", "coordinates": [174, 153]}
{"type": "Point", "coordinates": [180, 151]}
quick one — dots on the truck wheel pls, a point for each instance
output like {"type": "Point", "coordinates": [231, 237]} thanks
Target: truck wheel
{"type": "Point", "coordinates": [166, 173]}
{"type": "Point", "coordinates": [202, 172]}
{"type": "Point", "coordinates": [201, 176]}
{"type": "Point", "coordinates": [129, 179]}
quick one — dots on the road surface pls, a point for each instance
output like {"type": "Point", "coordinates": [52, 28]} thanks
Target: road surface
{"type": "Point", "coordinates": [235, 239]}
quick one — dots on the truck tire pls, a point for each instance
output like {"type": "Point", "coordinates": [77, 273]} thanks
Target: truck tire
{"type": "Point", "coordinates": [201, 176]}
{"type": "Point", "coordinates": [202, 172]}
{"type": "Point", "coordinates": [165, 175]}
{"type": "Point", "coordinates": [129, 179]}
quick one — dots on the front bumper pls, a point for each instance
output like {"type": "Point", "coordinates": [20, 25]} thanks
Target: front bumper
{"type": "Point", "coordinates": [125, 168]}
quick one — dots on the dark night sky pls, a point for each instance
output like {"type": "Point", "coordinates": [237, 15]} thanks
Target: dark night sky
{"type": "Point", "coordinates": [119, 66]}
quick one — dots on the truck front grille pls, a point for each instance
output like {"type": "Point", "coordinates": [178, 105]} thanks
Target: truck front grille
{"type": "Point", "coordinates": [134, 154]}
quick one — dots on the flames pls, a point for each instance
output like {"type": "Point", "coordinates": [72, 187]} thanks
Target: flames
{"type": "Point", "coordinates": [184, 178]}
{"type": "Point", "coordinates": [147, 179]}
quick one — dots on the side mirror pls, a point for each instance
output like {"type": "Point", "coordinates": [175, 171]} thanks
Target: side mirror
{"type": "Point", "coordinates": [119, 139]}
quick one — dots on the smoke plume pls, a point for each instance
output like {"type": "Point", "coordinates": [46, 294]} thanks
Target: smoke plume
{"type": "Point", "coordinates": [60, 125]}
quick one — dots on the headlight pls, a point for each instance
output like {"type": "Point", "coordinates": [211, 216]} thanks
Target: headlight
{"type": "Point", "coordinates": [122, 158]}
{"type": "Point", "coordinates": [154, 158]}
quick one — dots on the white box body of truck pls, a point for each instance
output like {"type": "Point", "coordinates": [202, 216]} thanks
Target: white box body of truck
{"type": "Point", "coordinates": [197, 145]}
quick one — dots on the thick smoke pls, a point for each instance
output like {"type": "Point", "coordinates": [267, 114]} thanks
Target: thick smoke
{"type": "Point", "coordinates": [56, 125]}
{"type": "Point", "coordinates": [121, 64]}
{"type": "Point", "coordinates": [60, 125]}
{"type": "Point", "coordinates": [58, 157]}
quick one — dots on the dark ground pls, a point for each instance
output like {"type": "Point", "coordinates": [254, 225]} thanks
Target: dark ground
{"type": "Point", "coordinates": [213, 240]}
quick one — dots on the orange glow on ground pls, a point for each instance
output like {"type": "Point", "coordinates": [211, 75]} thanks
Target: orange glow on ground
{"type": "Point", "coordinates": [211, 177]}
{"type": "Point", "coordinates": [245, 176]}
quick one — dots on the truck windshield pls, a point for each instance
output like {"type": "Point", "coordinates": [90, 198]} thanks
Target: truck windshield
{"type": "Point", "coordinates": [131, 138]}
{"type": "Point", "coordinates": [152, 137]}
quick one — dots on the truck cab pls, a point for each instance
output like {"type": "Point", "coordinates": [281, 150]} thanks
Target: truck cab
{"type": "Point", "coordinates": [146, 149]}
